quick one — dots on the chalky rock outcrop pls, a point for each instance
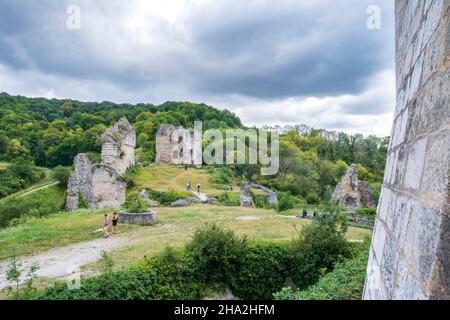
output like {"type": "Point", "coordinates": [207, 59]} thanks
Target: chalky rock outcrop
{"type": "Point", "coordinates": [410, 253]}
{"type": "Point", "coordinates": [176, 145]}
{"type": "Point", "coordinates": [102, 185]}
{"type": "Point", "coordinates": [353, 193]}
{"type": "Point", "coordinates": [246, 198]}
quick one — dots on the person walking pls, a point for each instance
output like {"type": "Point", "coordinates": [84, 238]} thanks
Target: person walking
{"type": "Point", "coordinates": [198, 187]}
{"type": "Point", "coordinates": [115, 221]}
{"type": "Point", "coordinates": [106, 226]}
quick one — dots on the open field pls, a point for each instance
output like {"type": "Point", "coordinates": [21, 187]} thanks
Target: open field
{"type": "Point", "coordinates": [175, 227]}
{"type": "Point", "coordinates": [165, 177]}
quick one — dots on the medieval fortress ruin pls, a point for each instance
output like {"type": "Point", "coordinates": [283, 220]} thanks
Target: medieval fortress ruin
{"type": "Point", "coordinates": [410, 253]}
{"type": "Point", "coordinates": [176, 145]}
{"type": "Point", "coordinates": [353, 193]}
{"type": "Point", "coordinates": [101, 185]}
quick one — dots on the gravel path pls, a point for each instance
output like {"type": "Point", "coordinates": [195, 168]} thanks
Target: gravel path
{"type": "Point", "coordinates": [56, 263]}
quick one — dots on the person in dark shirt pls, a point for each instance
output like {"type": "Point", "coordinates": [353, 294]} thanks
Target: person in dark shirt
{"type": "Point", "coordinates": [115, 221]}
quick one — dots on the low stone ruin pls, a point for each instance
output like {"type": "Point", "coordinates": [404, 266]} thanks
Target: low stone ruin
{"type": "Point", "coordinates": [246, 197]}
{"type": "Point", "coordinates": [102, 185]}
{"type": "Point", "coordinates": [352, 193]}
{"type": "Point", "coordinates": [176, 145]}
{"type": "Point", "coordinates": [142, 219]}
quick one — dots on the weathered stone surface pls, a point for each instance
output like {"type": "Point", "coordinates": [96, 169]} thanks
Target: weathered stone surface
{"type": "Point", "coordinates": [109, 187]}
{"type": "Point", "coordinates": [410, 254]}
{"type": "Point", "coordinates": [246, 198]}
{"type": "Point", "coordinates": [146, 197]}
{"type": "Point", "coordinates": [353, 193]}
{"type": "Point", "coordinates": [119, 142]}
{"type": "Point", "coordinates": [102, 185]}
{"type": "Point", "coordinates": [177, 146]}
{"type": "Point", "coordinates": [80, 184]}
{"type": "Point", "coordinates": [180, 203]}
{"type": "Point", "coordinates": [143, 219]}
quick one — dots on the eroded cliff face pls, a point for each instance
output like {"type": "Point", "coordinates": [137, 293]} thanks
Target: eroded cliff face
{"type": "Point", "coordinates": [102, 185]}
{"type": "Point", "coordinates": [352, 193]}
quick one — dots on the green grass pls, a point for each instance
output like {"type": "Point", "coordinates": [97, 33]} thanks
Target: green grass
{"type": "Point", "coordinates": [41, 234]}
{"type": "Point", "coordinates": [177, 225]}
{"type": "Point", "coordinates": [165, 177]}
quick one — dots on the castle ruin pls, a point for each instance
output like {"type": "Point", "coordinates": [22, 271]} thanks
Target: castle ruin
{"type": "Point", "coordinates": [410, 252]}
{"type": "Point", "coordinates": [176, 145]}
{"type": "Point", "coordinates": [353, 193]}
{"type": "Point", "coordinates": [102, 185]}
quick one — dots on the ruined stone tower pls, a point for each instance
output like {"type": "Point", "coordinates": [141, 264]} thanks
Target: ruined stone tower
{"type": "Point", "coordinates": [177, 146]}
{"type": "Point", "coordinates": [353, 193]}
{"type": "Point", "coordinates": [410, 253]}
{"type": "Point", "coordinates": [103, 185]}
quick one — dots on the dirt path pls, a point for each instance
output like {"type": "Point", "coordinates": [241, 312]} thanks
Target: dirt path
{"type": "Point", "coordinates": [40, 188]}
{"type": "Point", "coordinates": [56, 263]}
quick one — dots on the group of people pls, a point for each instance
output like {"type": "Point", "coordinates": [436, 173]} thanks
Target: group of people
{"type": "Point", "coordinates": [189, 187]}
{"type": "Point", "coordinates": [114, 223]}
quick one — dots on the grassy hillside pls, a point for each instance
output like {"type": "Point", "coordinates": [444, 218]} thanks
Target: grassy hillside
{"type": "Point", "coordinates": [166, 177]}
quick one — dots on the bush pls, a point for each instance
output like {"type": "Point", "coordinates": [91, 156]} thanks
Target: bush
{"type": "Point", "coordinates": [345, 282]}
{"type": "Point", "coordinates": [138, 205]}
{"type": "Point", "coordinates": [262, 272]}
{"type": "Point", "coordinates": [312, 198]}
{"type": "Point", "coordinates": [166, 198]}
{"type": "Point", "coordinates": [320, 245]}
{"type": "Point", "coordinates": [166, 276]}
{"type": "Point", "coordinates": [62, 174]}
{"type": "Point", "coordinates": [285, 201]}
{"type": "Point", "coordinates": [19, 175]}
{"type": "Point", "coordinates": [369, 213]}
{"type": "Point", "coordinates": [217, 254]}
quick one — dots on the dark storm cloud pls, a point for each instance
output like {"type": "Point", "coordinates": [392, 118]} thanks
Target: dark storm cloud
{"type": "Point", "coordinates": [254, 48]}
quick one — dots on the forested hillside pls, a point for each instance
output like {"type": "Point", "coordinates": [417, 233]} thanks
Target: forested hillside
{"type": "Point", "coordinates": [50, 133]}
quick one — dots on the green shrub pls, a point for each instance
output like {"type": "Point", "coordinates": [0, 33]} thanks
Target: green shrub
{"type": "Point", "coordinates": [345, 282]}
{"type": "Point", "coordinates": [138, 205]}
{"type": "Point", "coordinates": [166, 198]}
{"type": "Point", "coordinates": [369, 213]}
{"type": "Point", "coordinates": [62, 174]}
{"type": "Point", "coordinates": [285, 201]}
{"type": "Point", "coordinates": [217, 254]}
{"type": "Point", "coordinates": [229, 199]}
{"type": "Point", "coordinates": [19, 175]}
{"type": "Point", "coordinates": [166, 276]}
{"type": "Point", "coordinates": [320, 245]}
{"type": "Point", "coordinates": [262, 272]}
{"type": "Point", "coordinates": [312, 198]}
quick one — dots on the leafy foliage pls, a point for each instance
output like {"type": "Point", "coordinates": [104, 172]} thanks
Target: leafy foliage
{"type": "Point", "coordinates": [320, 245]}
{"type": "Point", "coordinates": [345, 282]}
{"type": "Point", "coordinates": [217, 254]}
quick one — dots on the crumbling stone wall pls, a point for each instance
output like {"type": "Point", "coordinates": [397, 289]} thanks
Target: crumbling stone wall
{"type": "Point", "coordinates": [352, 193]}
{"type": "Point", "coordinates": [246, 198]}
{"type": "Point", "coordinates": [410, 253]}
{"type": "Point", "coordinates": [103, 185]}
{"type": "Point", "coordinates": [176, 145]}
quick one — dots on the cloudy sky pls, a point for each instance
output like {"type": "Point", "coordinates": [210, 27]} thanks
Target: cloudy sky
{"type": "Point", "coordinates": [311, 62]}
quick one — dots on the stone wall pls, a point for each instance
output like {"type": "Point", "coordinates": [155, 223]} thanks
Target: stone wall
{"type": "Point", "coordinates": [176, 145]}
{"type": "Point", "coordinates": [352, 193]}
{"type": "Point", "coordinates": [246, 198]}
{"type": "Point", "coordinates": [410, 253]}
{"type": "Point", "coordinates": [103, 185]}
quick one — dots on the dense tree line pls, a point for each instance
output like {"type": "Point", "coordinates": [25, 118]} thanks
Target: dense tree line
{"type": "Point", "coordinates": [52, 132]}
